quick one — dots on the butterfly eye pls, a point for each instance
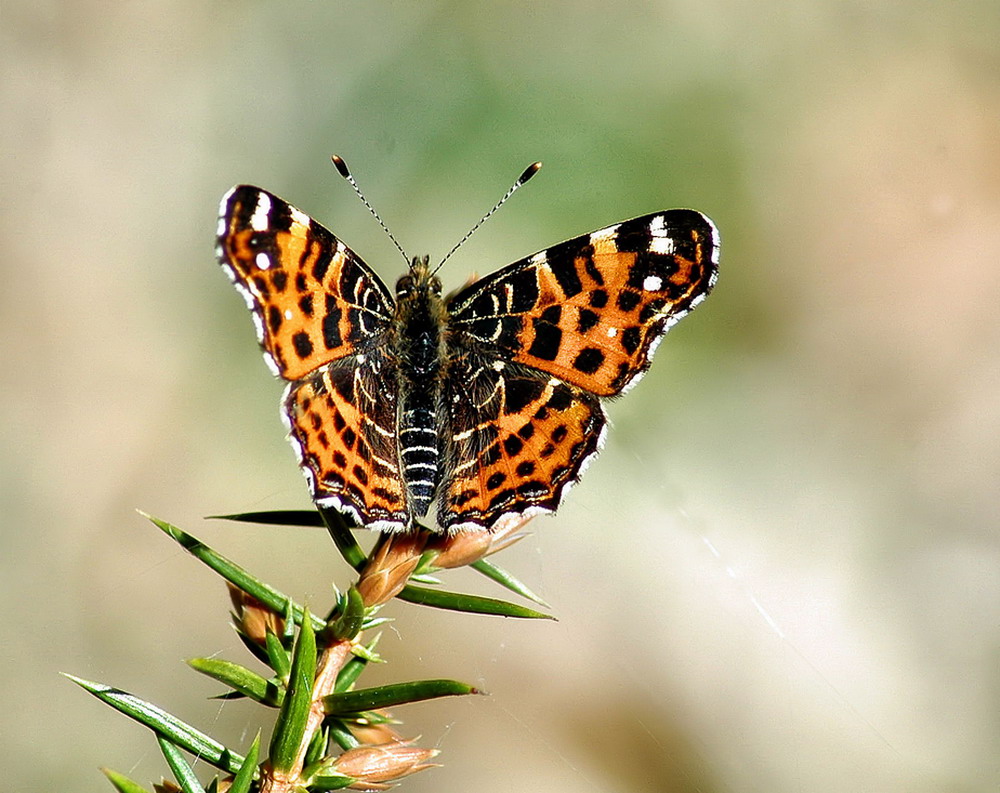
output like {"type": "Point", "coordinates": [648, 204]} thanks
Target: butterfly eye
{"type": "Point", "coordinates": [404, 286]}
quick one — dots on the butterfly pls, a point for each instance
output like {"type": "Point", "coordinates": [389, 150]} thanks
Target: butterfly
{"type": "Point", "coordinates": [486, 404]}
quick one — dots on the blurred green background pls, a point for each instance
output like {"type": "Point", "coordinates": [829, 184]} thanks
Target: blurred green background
{"type": "Point", "coordinates": [783, 574]}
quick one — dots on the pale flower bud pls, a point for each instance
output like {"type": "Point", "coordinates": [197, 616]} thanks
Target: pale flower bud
{"type": "Point", "coordinates": [373, 765]}
{"type": "Point", "coordinates": [389, 568]}
{"type": "Point", "coordinates": [375, 734]}
{"type": "Point", "coordinates": [253, 618]}
{"type": "Point", "coordinates": [466, 547]}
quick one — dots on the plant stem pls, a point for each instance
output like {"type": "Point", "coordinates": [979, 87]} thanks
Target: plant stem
{"type": "Point", "coordinates": [330, 662]}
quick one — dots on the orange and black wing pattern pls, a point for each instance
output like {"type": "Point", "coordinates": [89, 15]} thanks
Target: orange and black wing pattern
{"type": "Point", "coordinates": [342, 423]}
{"type": "Point", "coordinates": [517, 440]}
{"type": "Point", "coordinates": [322, 319]}
{"type": "Point", "coordinates": [536, 346]}
{"type": "Point", "coordinates": [591, 310]}
{"type": "Point", "coordinates": [312, 298]}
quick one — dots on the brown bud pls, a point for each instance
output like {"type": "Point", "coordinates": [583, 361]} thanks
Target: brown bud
{"type": "Point", "coordinates": [253, 618]}
{"type": "Point", "coordinates": [372, 765]}
{"type": "Point", "coordinates": [466, 547]}
{"type": "Point", "coordinates": [375, 734]}
{"type": "Point", "coordinates": [396, 557]}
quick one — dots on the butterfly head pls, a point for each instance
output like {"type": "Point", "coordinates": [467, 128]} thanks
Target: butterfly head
{"type": "Point", "coordinates": [419, 280]}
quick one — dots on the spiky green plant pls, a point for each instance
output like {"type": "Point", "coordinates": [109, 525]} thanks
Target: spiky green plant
{"type": "Point", "coordinates": [328, 734]}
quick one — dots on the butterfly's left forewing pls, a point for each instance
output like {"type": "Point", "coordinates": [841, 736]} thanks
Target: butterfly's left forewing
{"type": "Point", "coordinates": [313, 299]}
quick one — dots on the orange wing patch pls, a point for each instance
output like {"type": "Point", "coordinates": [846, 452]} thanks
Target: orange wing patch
{"type": "Point", "coordinates": [313, 300]}
{"type": "Point", "coordinates": [342, 421]}
{"type": "Point", "coordinates": [518, 442]}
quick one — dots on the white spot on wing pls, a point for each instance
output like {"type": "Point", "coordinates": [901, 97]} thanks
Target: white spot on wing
{"type": "Point", "coordinates": [263, 260]}
{"type": "Point", "coordinates": [288, 313]}
{"type": "Point", "coordinates": [661, 241]}
{"type": "Point", "coordinates": [224, 203]}
{"type": "Point", "coordinates": [258, 324]}
{"type": "Point", "coordinates": [269, 360]}
{"type": "Point", "coordinates": [300, 217]}
{"type": "Point", "coordinates": [603, 235]}
{"type": "Point", "coordinates": [652, 283]}
{"type": "Point", "coordinates": [258, 220]}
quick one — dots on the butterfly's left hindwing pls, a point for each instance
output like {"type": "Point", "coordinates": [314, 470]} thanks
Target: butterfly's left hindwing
{"type": "Point", "coordinates": [342, 422]}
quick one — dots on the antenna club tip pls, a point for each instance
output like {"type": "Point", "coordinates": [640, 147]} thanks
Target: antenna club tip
{"type": "Point", "coordinates": [530, 171]}
{"type": "Point", "coordinates": [338, 161]}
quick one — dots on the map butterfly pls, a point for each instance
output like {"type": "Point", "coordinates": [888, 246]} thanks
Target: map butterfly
{"type": "Point", "coordinates": [486, 403]}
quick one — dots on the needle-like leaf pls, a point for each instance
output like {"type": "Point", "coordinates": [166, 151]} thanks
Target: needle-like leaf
{"type": "Point", "coordinates": [240, 679]}
{"type": "Point", "coordinates": [290, 726]}
{"type": "Point", "coordinates": [395, 694]}
{"type": "Point", "coordinates": [474, 604]}
{"type": "Point", "coordinates": [244, 777]}
{"type": "Point", "coordinates": [162, 723]}
{"type": "Point", "coordinates": [496, 573]}
{"type": "Point", "coordinates": [231, 571]}
{"type": "Point", "coordinates": [278, 517]}
{"type": "Point", "coordinates": [183, 772]}
{"type": "Point", "coordinates": [122, 783]}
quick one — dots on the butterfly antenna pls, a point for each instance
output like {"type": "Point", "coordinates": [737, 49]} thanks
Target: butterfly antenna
{"type": "Point", "coordinates": [345, 172]}
{"type": "Point", "coordinates": [530, 171]}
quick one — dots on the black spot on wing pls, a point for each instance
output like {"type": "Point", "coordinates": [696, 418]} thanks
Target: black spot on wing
{"type": "Point", "coordinates": [562, 263]}
{"type": "Point", "coordinates": [331, 323]}
{"type": "Point", "coordinates": [586, 319]}
{"type": "Point", "coordinates": [634, 236]}
{"type": "Point", "coordinates": [303, 344]}
{"type": "Point", "coordinates": [631, 337]}
{"type": "Point", "coordinates": [322, 263]}
{"type": "Point", "coordinates": [598, 298]}
{"type": "Point", "coordinates": [589, 360]}
{"type": "Point", "coordinates": [274, 318]}
{"type": "Point", "coordinates": [519, 393]}
{"type": "Point", "coordinates": [628, 300]}
{"type": "Point", "coordinates": [548, 334]}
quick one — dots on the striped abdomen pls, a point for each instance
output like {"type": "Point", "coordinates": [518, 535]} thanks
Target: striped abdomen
{"type": "Point", "coordinates": [418, 446]}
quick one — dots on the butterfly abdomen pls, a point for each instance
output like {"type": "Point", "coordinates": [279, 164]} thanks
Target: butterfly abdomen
{"type": "Point", "coordinates": [418, 446]}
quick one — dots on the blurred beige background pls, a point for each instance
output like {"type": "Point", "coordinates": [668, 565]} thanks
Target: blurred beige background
{"type": "Point", "coordinates": [783, 574]}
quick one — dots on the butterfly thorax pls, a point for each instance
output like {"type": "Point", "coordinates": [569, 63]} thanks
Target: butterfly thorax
{"type": "Point", "coordinates": [420, 316]}
{"type": "Point", "coordinates": [419, 350]}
